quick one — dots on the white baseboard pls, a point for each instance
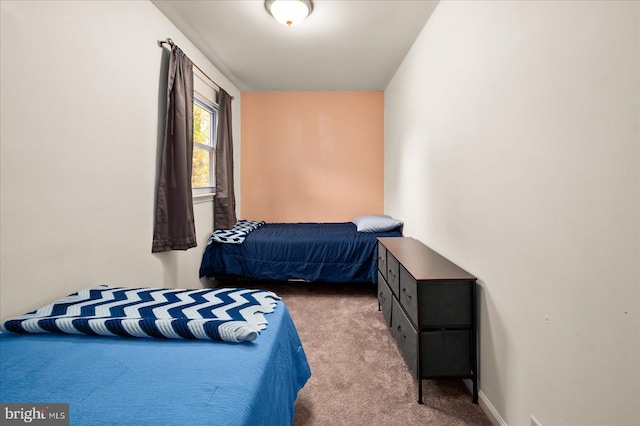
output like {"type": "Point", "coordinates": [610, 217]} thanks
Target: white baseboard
{"type": "Point", "coordinates": [486, 406]}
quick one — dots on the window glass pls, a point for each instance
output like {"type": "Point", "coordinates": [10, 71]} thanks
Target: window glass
{"type": "Point", "coordinates": [205, 123]}
{"type": "Point", "coordinates": [201, 125]}
{"type": "Point", "coordinates": [204, 136]}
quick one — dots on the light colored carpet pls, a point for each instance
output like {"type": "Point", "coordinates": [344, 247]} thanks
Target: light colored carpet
{"type": "Point", "coordinates": [358, 374]}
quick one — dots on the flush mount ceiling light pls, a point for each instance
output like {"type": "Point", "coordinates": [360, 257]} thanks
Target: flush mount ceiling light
{"type": "Point", "coordinates": [289, 12]}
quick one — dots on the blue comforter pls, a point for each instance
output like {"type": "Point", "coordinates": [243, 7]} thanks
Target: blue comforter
{"type": "Point", "coordinates": [122, 381]}
{"type": "Point", "coordinates": [329, 252]}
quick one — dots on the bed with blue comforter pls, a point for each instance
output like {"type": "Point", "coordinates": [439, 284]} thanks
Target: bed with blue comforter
{"type": "Point", "coordinates": [157, 357]}
{"type": "Point", "coordinates": [328, 252]}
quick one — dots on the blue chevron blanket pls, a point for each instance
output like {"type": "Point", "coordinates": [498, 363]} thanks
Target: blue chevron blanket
{"type": "Point", "coordinates": [229, 314]}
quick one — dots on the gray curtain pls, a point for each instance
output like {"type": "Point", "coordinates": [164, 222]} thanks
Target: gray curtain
{"type": "Point", "coordinates": [174, 224]}
{"type": "Point", "coordinates": [224, 202]}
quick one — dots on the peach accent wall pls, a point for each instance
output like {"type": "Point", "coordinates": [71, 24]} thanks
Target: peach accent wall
{"type": "Point", "coordinates": [312, 156]}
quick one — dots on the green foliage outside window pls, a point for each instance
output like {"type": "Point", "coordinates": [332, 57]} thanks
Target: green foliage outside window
{"type": "Point", "coordinates": [202, 155]}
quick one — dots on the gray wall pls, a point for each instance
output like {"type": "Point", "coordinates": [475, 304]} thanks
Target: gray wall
{"type": "Point", "coordinates": [512, 148]}
{"type": "Point", "coordinates": [80, 122]}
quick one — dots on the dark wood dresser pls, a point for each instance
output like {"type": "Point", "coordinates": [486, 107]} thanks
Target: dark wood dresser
{"type": "Point", "coordinates": [430, 305]}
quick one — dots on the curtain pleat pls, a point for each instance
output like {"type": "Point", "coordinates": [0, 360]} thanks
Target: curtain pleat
{"type": "Point", "coordinates": [224, 202]}
{"type": "Point", "coordinates": [174, 227]}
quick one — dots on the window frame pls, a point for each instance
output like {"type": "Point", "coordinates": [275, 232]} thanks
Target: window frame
{"type": "Point", "coordinates": [212, 108]}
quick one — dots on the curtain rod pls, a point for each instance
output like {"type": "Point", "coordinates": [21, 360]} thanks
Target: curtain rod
{"type": "Point", "coordinates": [171, 43]}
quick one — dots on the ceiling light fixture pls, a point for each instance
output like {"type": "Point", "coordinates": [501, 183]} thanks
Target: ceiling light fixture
{"type": "Point", "coordinates": [289, 12]}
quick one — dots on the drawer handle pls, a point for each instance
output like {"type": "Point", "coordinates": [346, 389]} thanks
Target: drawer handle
{"type": "Point", "coordinates": [382, 297]}
{"type": "Point", "coordinates": [404, 336]}
{"type": "Point", "coordinates": [407, 295]}
{"type": "Point", "coordinates": [391, 273]}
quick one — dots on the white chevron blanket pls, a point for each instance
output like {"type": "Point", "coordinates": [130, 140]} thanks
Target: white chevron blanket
{"type": "Point", "coordinates": [235, 235]}
{"type": "Point", "coordinates": [230, 314]}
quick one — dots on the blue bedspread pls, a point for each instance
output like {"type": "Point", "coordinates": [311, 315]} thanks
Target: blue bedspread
{"type": "Point", "coordinates": [329, 252]}
{"type": "Point", "coordinates": [120, 381]}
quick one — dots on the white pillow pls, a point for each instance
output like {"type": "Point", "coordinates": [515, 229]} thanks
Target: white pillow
{"type": "Point", "coordinates": [376, 223]}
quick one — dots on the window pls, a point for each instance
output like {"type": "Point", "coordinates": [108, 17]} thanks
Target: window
{"type": "Point", "coordinates": [205, 124]}
{"type": "Point", "coordinates": [205, 120]}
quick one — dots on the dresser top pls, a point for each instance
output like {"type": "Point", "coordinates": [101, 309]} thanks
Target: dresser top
{"type": "Point", "coordinates": [421, 262]}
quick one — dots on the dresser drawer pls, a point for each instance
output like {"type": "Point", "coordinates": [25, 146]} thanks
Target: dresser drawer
{"type": "Point", "coordinates": [408, 294]}
{"type": "Point", "coordinates": [406, 337]}
{"type": "Point", "coordinates": [446, 304]}
{"type": "Point", "coordinates": [384, 298]}
{"type": "Point", "coordinates": [382, 260]}
{"type": "Point", "coordinates": [393, 273]}
{"type": "Point", "coordinates": [445, 353]}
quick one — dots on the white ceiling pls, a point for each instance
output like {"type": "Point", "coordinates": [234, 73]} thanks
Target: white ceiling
{"type": "Point", "coordinates": [344, 45]}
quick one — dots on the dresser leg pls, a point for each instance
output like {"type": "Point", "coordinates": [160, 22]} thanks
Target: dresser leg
{"type": "Point", "coordinates": [419, 391]}
{"type": "Point", "coordinates": [475, 390]}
